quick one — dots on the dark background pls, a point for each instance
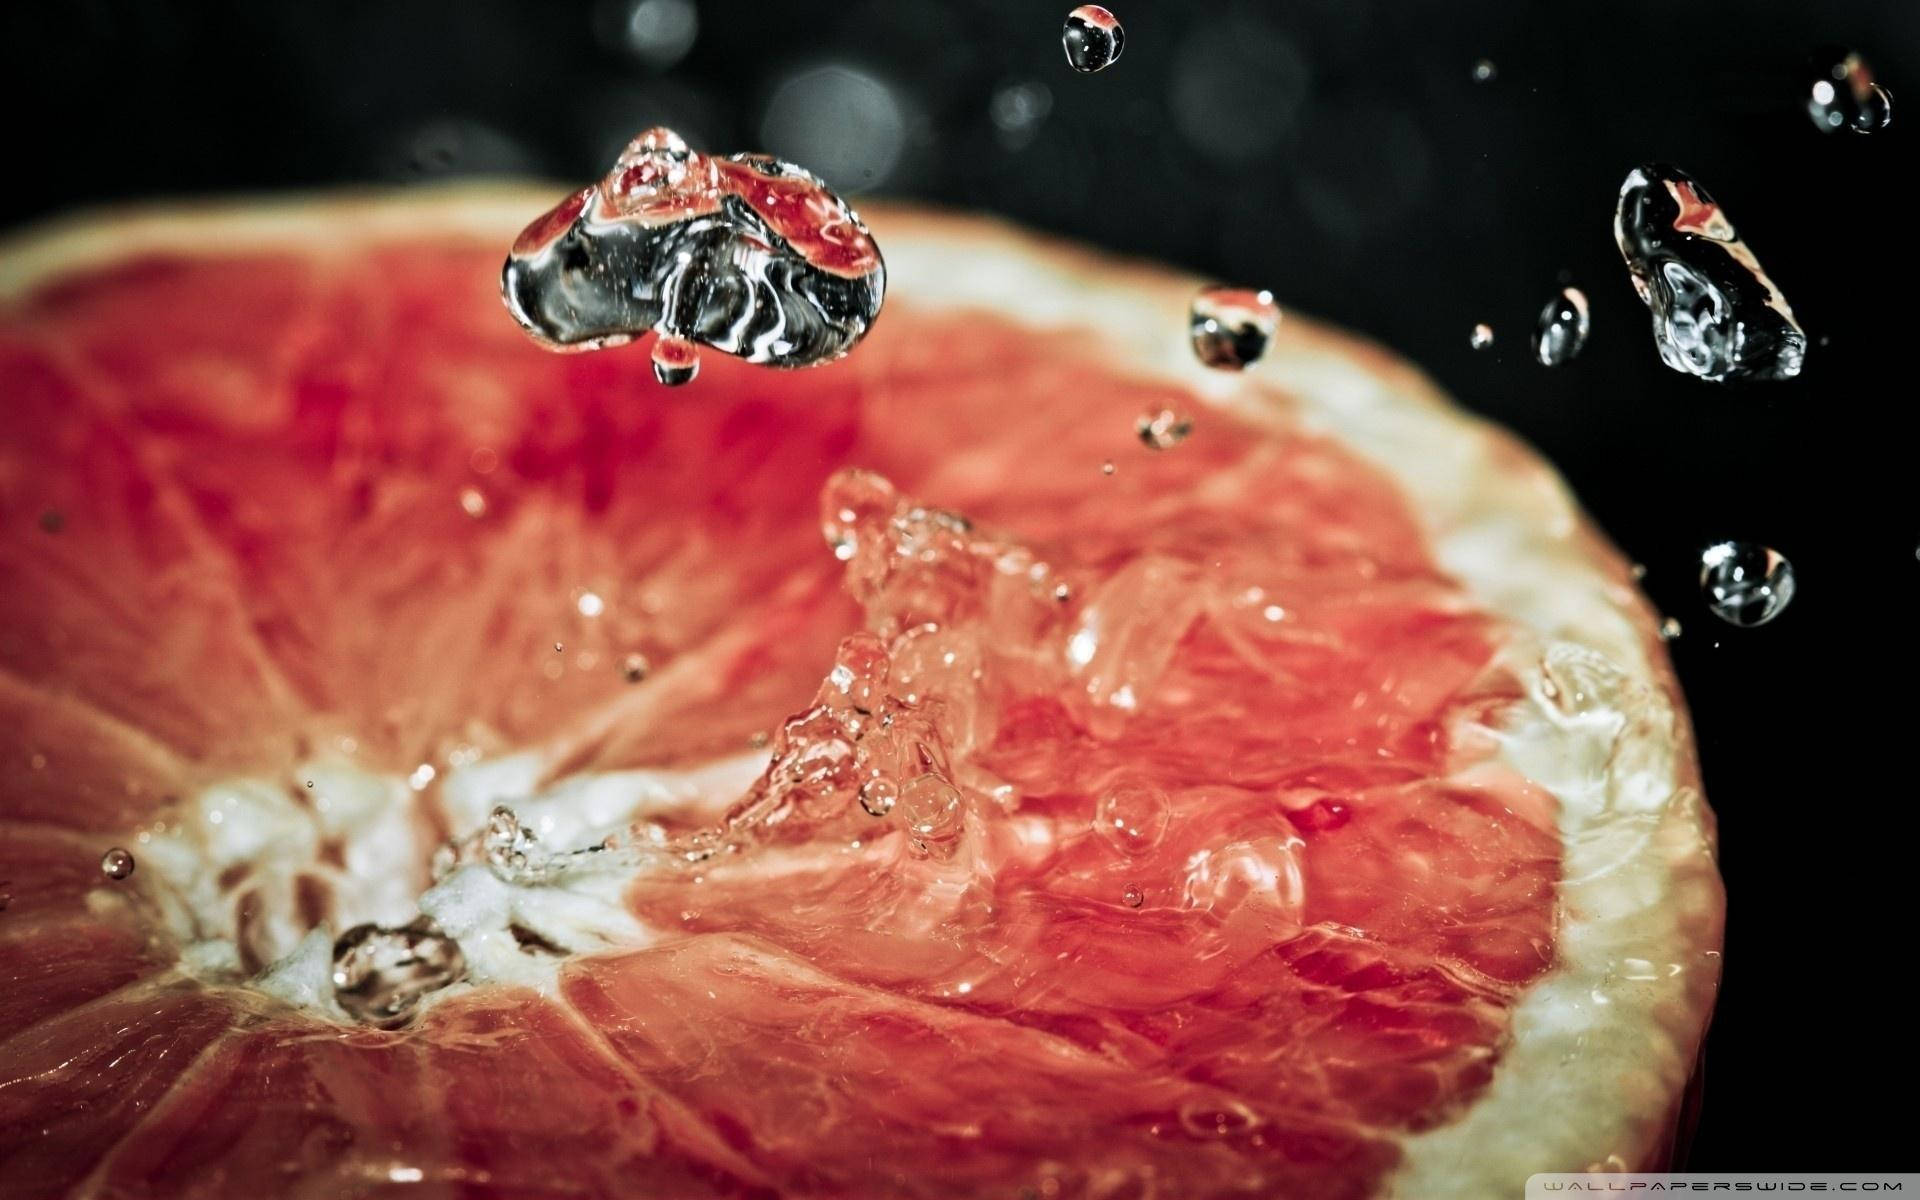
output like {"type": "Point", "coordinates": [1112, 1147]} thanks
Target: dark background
{"type": "Point", "coordinates": [1340, 152]}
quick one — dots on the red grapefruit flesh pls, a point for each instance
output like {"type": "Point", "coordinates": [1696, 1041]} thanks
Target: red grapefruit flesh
{"type": "Point", "coordinates": [1322, 821]}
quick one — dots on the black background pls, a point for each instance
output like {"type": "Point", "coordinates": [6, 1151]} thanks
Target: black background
{"type": "Point", "coordinates": [1340, 152]}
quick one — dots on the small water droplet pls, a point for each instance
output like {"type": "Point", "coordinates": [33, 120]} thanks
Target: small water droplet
{"type": "Point", "coordinates": [559, 648]}
{"type": "Point", "coordinates": [1132, 817]}
{"type": "Point", "coordinates": [878, 796]}
{"type": "Point", "coordinates": [506, 842]}
{"type": "Point", "coordinates": [675, 361]}
{"type": "Point", "coordinates": [380, 975]}
{"type": "Point", "coordinates": [1162, 430]}
{"type": "Point", "coordinates": [1670, 629]}
{"type": "Point", "coordinates": [1485, 71]}
{"type": "Point", "coordinates": [656, 33]}
{"type": "Point", "coordinates": [1745, 584]}
{"type": "Point", "coordinates": [1106, 468]}
{"type": "Point", "coordinates": [590, 604]}
{"type": "Point", "coordinates": [1232, 327]}
{"type": "Point", "coordinates": [1715, 313]}
{"type": "Point", "coordinates": [1092, 38]}
{"type": "Point", "coordinates": [53, 521]}
{"type": "Point", "coordinates": [473, 502]}
{"type": "Point", "coordinates": [1133, 897]}
{"type": "Point", "coordinates": [1562, 330]}
{"type": "Point", "coordinates": [633, 668]}
{"type": "Point", "coordinates": [1843, 94]}
{"type": "Point", "coordinates": [1481, 337]}
{"type": "Point", "coordinates": [116, 863]}
{"type": "Point", "coordinates": [1637, 571]}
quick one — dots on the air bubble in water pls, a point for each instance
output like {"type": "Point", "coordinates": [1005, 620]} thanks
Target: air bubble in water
{"type": "Point", "coordinates": [1745, 584]}
{"type": "Point", "coordinates": [1093, 39]}
{"type": "Point", "coordinates": [380, 975]}
{"type": "Point", "coordinates": [1481, 336]}
{"type": "Point", "coordinates": [748, 254]}
{"type": "Point", "coordinates": [1232, 327]}
{"type": "Point", "coordinates": [116, 863]}
{"type": "Point", "coordinates": [1843, 95]}
{"type": "Point", "coordinates": [1562, 331]}
{"type": "Point", "coordinates": [1132, 817]}
{"type": "Point", "coordinates": [1162, 430]}
{"type": "Point", "coordinates": [1715, 312]}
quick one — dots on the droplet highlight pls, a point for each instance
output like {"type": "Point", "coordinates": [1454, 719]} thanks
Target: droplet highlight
{"type": "Point", "coordinates": [1232, 327]}
{"type": "Point", "coordinates": [1562, 330]}
{"type": "Point", "coordinates": [1745, 584]}
{"type": "Point", "coordinates": [1480, 337]}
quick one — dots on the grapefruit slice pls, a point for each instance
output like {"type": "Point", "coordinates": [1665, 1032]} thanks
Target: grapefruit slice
{"type": "Point", "coordinates": [1305, 809]}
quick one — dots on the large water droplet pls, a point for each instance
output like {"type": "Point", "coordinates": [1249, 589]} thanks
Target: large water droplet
{"type": "Point", "coordinates": [1231, 327]}
{"type": "Point", "coordinates": [930, 807]}
{"type": "Point", "coordinates": [1132, 817]}
{"type": "Point", "coordinates": [1745, 584]}
{"type": "Point", "coordinates": [380, 975]}
{"type": "Point", "coordinates": [116, 863]}
{"type": "Point", "coordinates": [1843, 94]}
{"type": "Point", "coordinates": [748, 254]}
{"type": "Point", "coordinates": [1093, 39]}
{"type": "Point", "coordinates": [1715, 312]}
{"type": "Point", "coordinates": [1562, 330]}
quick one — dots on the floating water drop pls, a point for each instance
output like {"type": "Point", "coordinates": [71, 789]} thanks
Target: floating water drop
{"type": "Point", "coordinates": [380, 975]}
{"type": "Point", "coordinates": [1162, 430]}
{"type": "Point", "coordinates": [633, 668]}
{"type": "Point", "coordinates": [1132, 818]}
{"type": "Point", "coordinates": [1481, 337]}
{"type": "Point", "coordinates": [116, 863]}
{"type": "Point", "coordinates": [1232, 327]}
{"type": "Point", "coordinates": [1562, 331]}
{"type": "Point", "coordinates": [1844, 96]}
{"type": "Point", "coordinates": [1093, 39]}
{"type": "Point", "coordinates": [1133, 897]}
{"type": "Point", "coordinates": [750, 255]}
{"type": "Point", "coordinates": [1670, 629]}
{"type": "Point", "coordinates": [1745, 584]}
{"type": "Point", "coordinates": [1715, 312]}
{"type": "Point", "coordinates": [878, 796]}
{"type": "Point", "coordinates": [1485, 71]}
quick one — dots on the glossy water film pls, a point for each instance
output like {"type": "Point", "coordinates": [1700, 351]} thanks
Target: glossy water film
{"type": "Point", "coordinates": [380, 975]}
{"type": "Point", "coordinates": [748, 254]}
{"type": "Point", "coordinates": [1092, 38]}
{"type": "Point", "coordinates": [1232, 327]}
{"type": "Point", "coordinates": [1562, 330]}
{"type": "Point", "coordinates": [1843, 95]}
{"type": "Point", "coordinates": [1716, 314]}
{"type": "Point", "coordinates": [1744, 583]}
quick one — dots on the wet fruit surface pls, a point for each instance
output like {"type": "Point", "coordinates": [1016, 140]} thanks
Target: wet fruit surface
{"type": "Point", "coordinates": [1188, 882]}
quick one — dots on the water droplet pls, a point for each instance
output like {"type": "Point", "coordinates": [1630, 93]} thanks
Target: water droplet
{"type": "Point", "coordinates": [655, 33]}
{"type": "Point", "coordinates": [1017, 111]}
{"type": "Point", "coordinates": [854, 503]}
{"type": "Point", "coordinates": [1132, 818]}
{"type": "Point", "coordinates": [380, 975]}
{"type": "Point", "coordinates": [1481, 337]}
{"type": "Point", "coordinates": [1262, 875]}
{"type": "Point", "coordinates": [1232, 327]}
{"type": "Point", "coordinates": [1162, 430]}
{"type": "Point", "coordinates": [1562, 330]}
{"type": "Point", "coordinates": [1715, 313]}
{"type": "Point", "coordinates": [1485, 71]}
{"type": "Point", "coordinates": [930, 807]}
{"type": "Point", "coordinates": [878, 796]}
{"type": "Point", "coordinates": [1106, 468]}
{"type": "Point", "coordinates": [1637, 571]}
{"type": "Point", "coordinates": [53, 521]}
{"type": "Point", "coordinates": [421, 776]}
{"type": "Point", "coordinates": [1093, 39]}
{"type": "Point", "coordinates": [1670, 629]}
{"type": "Point", "coordinates": [747, 254]}
{"type": "Point", "coordinates": [1218, 1119]}
{"type": "Point", "coordinates": [506, 842]}
{"type": "Point", "coordinates": [559, 648]}
{"type": "Point", "coordinates": [675, 361]}
{"type": "Point", "coordinates": [633, 668]}
{"type": "Point", "coordinates": [1843, 94]}
{"type": "Point", "coordinates": [590, 604]}
{"type": "Point", "coordinates": [473, 502]}
{"type": "Point", "coordinates": [1133, 897]}
{"type": "Point", "coordinates": [116, 863]}
{"type": "Point", "coordinates": [1745, 584]}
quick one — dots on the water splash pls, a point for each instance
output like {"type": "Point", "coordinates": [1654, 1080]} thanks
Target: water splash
{"type": "Point", "coordinates": [1715, 313]}
{"type": "Point", "coordinates": [1562, 331]}
{"type": "Point", "coordinates": [380, 975]}
{"type": "Point", "coordinates": [747, 254]}
{"type": "Point", "coordinates": [1744, 583]}
{"type": "Point", "coordinates": [1093, 39]}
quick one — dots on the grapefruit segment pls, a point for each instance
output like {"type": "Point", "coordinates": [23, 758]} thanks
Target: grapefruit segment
{"type": "Point", "coordinates": [1270, 857]}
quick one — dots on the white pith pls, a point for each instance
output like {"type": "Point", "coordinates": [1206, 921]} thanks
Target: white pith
{"type": "Point", "coordinates": [1602, 1045]}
